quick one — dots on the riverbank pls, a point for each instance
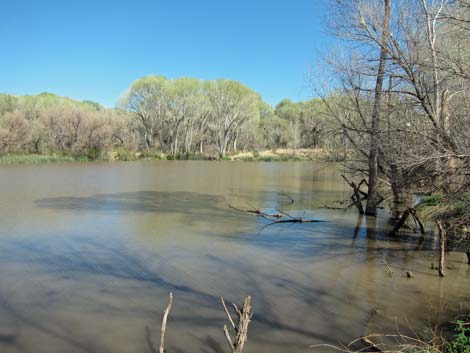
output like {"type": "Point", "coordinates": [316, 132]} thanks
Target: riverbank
{"type": "Point", "coordinates": [279, 155]}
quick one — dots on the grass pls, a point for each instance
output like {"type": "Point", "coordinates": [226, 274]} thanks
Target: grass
{"type": "Point", "coordinates": [279, 155]}
{"type": "Point", "coordinates": [38, 159]}
{"type": "Point", "coordinates": [452, 209]}
{"type": "Point", "coordinates": [122, 154]}
{"type": "Point", "coordinates": [456, 342]}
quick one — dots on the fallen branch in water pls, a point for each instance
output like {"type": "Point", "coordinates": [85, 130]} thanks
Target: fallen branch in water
{"type": "Point", "coordinates": [411, 211]}
{"type": "Point", "coordinates": [356, 197]}
{"type": "Point", "coordinates": [256, 212]}
{"type": "Point", "coordinates": [291, 200]}
{"type": "Point", "coordinates": [275, 218]}
{"type": "Point", "coordinates": [241, 328]}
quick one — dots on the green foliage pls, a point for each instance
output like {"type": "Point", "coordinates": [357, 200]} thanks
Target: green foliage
{"type": "Point", "coordinates": [431, 200]}
{"type": "Point", "coordinates": [461, 341]}
{"type": "Point", "coordinates": [123, 154]}
{"type": "Point", "coordinates": [93, 105]}
{"type": "Point", "coordinates": [92, 153]}
{"type": "Point", "coordinates": [8, 103]}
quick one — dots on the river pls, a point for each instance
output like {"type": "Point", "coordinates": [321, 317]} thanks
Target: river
{"type": "Point", "coordinates": [89, 253]}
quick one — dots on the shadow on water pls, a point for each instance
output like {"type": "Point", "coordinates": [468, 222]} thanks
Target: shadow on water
{"type": "Point", "coordinates": [66, 263]}
{"type": "Point", "coordinates": [143, 202]}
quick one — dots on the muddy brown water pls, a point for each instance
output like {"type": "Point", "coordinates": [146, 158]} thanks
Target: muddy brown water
{"type": "Point", "coordinates": [89, 252]}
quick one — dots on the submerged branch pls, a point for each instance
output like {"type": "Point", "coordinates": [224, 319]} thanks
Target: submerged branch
{"type": "Point", "coordinates": [275, 218]}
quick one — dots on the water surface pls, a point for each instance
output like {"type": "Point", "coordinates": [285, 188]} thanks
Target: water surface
{"type": "Point", "coordinates": [89, 252]}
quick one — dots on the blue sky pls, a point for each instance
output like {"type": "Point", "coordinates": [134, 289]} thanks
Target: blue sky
{"type": "Point", "coordinates": [94, 49]}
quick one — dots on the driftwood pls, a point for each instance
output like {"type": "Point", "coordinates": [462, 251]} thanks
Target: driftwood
{"type": "Point", "coordinates": [442, 249]}
{"type": "Point", "coordinates": [244, 316]}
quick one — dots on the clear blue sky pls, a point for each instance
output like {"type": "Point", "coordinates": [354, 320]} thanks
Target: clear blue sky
{"type": "Point", "coordinates": [88, 49]}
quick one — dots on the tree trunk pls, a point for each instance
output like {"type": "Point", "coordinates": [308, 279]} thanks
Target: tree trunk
{"type": "Point", "coordinates": [442, 248]}
{"type": "Point", "coordinates": [175, 149]}
{"type": "Point", "coordinates": [372, 199]}
{"type": "Point", "coordinates": [148, 141]}
{"type": "Point", "coordinates": [190, 142]}
{"type": "Point", "coordinates": [397, 201]}
{"type": "Point", "coordinates": [400, 222]}
{"type": "Point", "coordinates": [222, 151]}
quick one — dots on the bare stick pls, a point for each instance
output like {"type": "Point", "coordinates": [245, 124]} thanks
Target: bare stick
{"type": "Point", "coordinates": [241, 329]}
{"type": "Point", "coordinates": [388, 267]}
{"type": "Point", "coordinates": [227, 312]}
{"type": "Point", "coordinates": [227, 336]}
{"type": "Point", "coordinates": [165, 319]}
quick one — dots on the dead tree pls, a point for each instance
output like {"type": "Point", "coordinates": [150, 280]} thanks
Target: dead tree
{"type": "Point", "coordinates": [468, 256]}
{"type": "Point", "coordinates": [410, 211]}
{"type": "Point", "coordinates": [241, 328]}
{"type": "Point", "coordinates": [356, 197]}
{"type": "Point", "coordinates": [442, 248]}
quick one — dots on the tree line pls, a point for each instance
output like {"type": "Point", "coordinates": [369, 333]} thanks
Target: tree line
{"type": "Point", "coordinates": [171, 116]}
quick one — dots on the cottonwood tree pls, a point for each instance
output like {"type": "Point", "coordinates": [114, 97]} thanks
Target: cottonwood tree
{"type": "Point", "coordinates": [232, 107]}
{"type": "Point", "coordinates": [183, 105]}
{"type": "Point", "coordinates": [146, 100]}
